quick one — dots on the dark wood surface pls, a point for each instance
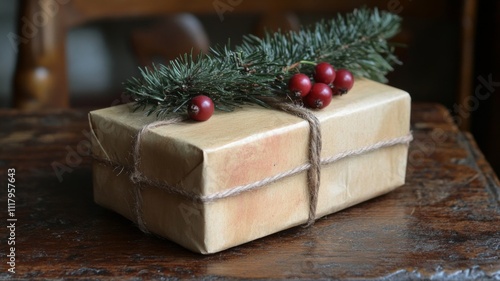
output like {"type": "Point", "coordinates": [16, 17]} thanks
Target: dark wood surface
{"type": "Point", "coordinates": [444, 223]}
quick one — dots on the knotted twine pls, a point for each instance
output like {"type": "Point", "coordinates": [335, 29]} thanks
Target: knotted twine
{"type": "Point", "coordinates": [313, 166]}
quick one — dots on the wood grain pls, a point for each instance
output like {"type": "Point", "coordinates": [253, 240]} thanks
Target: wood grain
{"type": "Point", "coordinates": [444, 223]}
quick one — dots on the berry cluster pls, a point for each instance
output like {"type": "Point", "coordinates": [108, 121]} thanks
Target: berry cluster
{"type": "Point", "coordinates": [328, 82]}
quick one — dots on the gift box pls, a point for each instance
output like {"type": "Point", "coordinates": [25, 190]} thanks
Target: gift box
{"type": "Point", "coordinates": [243, 175]}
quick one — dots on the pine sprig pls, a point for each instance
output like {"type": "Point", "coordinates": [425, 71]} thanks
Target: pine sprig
{"type": "Point", "coordinates": [260, 67]}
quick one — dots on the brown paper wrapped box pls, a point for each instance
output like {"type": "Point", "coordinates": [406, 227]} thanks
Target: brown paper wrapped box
{"type": "Point", "coordinates": [243, 147]}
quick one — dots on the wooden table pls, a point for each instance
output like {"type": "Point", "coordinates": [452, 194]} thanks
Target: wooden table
{"type": "Point", "coordinates": [444, 223]}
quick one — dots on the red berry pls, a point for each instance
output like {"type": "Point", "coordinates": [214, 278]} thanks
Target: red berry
{"type": "Point", "coordinates": [324, 73]}
{"type": "Point", "coordinates": [299, 85]}
{"type": "Point", "coordinates": [319, 97]}
{"type": "Point", "coordinates": [344, 82]}
{"type": "Point", "coordinates": [200, 108]}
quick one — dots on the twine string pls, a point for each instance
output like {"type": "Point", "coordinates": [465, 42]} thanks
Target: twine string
{"type": "Point", "coordinates": [404, 140]}
{"type": "Point", "coordinates": [314, 154]}
{"type": "Point", "coordinates": [137, 177]}
{"type": "Point", "coordinates": [138, 208]}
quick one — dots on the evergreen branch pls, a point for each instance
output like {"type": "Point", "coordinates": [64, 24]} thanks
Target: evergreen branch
{"type": "Point", "coordinates": [260, 67]}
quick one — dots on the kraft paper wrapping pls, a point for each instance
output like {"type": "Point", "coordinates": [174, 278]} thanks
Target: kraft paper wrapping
{"type": "Point", "coordinates": [242, 147]}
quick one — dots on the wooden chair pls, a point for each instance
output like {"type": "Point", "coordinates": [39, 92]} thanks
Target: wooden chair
{"type": "Point", "coordinates": [167, 38]}
{"type": "Point", "coordinates": [41, 78]}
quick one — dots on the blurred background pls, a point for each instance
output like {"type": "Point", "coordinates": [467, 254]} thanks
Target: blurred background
{"type": "Point", "coordinates": [80, 52]}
